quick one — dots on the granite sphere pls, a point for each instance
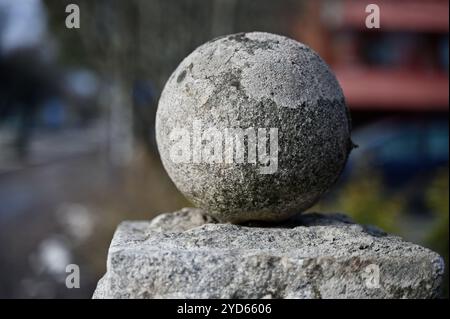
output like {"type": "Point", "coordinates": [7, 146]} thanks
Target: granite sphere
{"type": "Point", "coordinates": [253, 126]}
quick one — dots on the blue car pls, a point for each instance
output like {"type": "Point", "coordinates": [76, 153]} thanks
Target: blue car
{"type": "Point", "coordinates": [403, 150]}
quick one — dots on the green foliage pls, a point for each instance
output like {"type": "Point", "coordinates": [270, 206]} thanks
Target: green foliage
{"type": "Point", "coordinates": [366, 202]}
{"type": "Point", "coordinates": [437, 197]}
{"type": "Point", "coordinates": [364, 198]}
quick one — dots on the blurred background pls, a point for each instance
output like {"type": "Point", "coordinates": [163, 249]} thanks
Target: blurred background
{"type": "Point", "coordinates": [77, 111]}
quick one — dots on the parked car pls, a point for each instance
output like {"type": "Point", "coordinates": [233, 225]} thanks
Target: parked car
{"type": "Point", "coordinates": [401, 149]}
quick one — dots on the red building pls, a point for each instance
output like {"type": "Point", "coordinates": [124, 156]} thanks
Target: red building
{"type": "Point", "coordinates": [402, 66]}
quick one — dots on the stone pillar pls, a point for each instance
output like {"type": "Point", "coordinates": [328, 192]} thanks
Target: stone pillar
{"type": "Point", "coordinates": [258, 83]}
{"type": "Point", "coordinates": [187, 255]}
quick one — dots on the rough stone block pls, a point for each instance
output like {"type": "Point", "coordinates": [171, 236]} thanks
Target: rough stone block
{"type": "Point", "coordinates": [187, 255]}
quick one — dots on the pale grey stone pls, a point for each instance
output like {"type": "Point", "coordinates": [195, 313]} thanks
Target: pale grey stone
{"type": "Point", "coordinates": [309, 256]}
{"type": "Point", "coordinates": [256, 80]}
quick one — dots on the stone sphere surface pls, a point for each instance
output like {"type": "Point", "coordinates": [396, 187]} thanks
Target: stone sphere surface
{"type": "Point", "coordinates": [253, 126]}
